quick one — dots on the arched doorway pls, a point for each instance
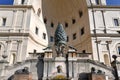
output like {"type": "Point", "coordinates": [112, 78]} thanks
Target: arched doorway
{"type": "Point", "coordinates": [106, 59]}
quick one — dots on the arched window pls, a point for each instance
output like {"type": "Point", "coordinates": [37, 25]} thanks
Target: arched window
{"type": "Point", "coordinates": [52, 24]}
{"type": "Point", "coordinates": [45, 20]}
{"type": "Point", "coordinates": [38, 12]}
{"type": "Point", "coordinates": [66, 24]}
{"type": "Point", "coordinates": [80, 14]}
{"type": "Point", "coordinates": [12, 59]}
{"type": "Point", "coordinates": [106, 59]}
{"type": "Point", "coordinates": [97, 2]}
{"type": "Point", "coordinates": [22, 2]}
{"type": "Point", "coordinates": [73, 21]}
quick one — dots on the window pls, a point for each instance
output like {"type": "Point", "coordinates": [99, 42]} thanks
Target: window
{"type": "Point", "coordinates": [52, 25]}
{"type": "Point", "coordinates": [22, 1]}
{"type": "Point", "coordinates": [67, 38]}
{"type": "Point", "coordinates": [45, 20]}
{"type": "Point", "coordinates": [51, 38]}
{"type": "Point", "coordinates": [12, 59]}
{"type": "Point", "coordinates": [83, 51]}
{"type": "Point", "coordinates": [38, 12]}
{"type": "Point", "coordinates": [80, 14]}
{"type": "Point", "coordinates": [119, 50]}
{"type": "Point", "coordinates": [106, 59]}
{"type": "Point", "coordinates": [3, 21]}
{"type": "Point", "coordinates": [36, 30]}
{"type": "Point", "coordinates": [82, 31]}
{"type": "Point", "coordinates": [116, 22]}
{"type": "Point", "coordinates": [74, 36]}
{"type": "Point", "coordinates": [73, 21]}
{"type": "Point", "coordinates": [97, 2]}
{"type": "Point", "coordinates": [0, 49]}
{"type": "Point", "coordinates": [66, 24]}
{"type": "Point", "coordinates": [44, 36]}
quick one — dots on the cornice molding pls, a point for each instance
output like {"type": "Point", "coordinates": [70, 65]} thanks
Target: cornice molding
{"type": "Point", "coordinates": [105, 35]}
{"type": "Point", "coordinates": [13, 34]}
{"type": "Point", "coordinates": [17, 7]}
{"type": "Point", "coordinates": [104, 6]}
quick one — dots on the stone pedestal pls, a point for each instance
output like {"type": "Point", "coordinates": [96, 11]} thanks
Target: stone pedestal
{"type": "Point", "coordinates": [96, 77]}
{"type": "Point", "coordinates": [53, 66]}
{"type": "Point", "coordinates": [22, 77]}
{"type": "Point", "coordinates": [60, 61]}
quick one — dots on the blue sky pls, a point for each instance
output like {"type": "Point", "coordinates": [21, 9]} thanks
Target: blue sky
{"type": "Point", "coordinates": [6, 2]}
{"type": "Point", "coordinates": [113, 2]}
{"type": "Point", "coordinates": [109, 2]}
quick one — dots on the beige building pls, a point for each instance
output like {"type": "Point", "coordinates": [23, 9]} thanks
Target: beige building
{"type": "Point", "coordinates": [91, 25]}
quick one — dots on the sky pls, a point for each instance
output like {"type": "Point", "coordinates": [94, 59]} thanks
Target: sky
{"type": "Point", "coordinates": [113, 2]}
{"type": "Point", "coordinates": [109, 2]}
{"type": "Point", "coordinates": [6, 2]}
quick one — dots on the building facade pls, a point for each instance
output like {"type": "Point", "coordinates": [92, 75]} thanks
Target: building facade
{"type": "Point", "coordinates": [22, 30]}
{"type": "Point", "coordinates": [28, 26]}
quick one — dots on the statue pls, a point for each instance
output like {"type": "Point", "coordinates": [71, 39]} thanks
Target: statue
{"type": "Point", "coordinates": [60, 40]}
{"type": "Point", "coordinates": [22, 71]}
{"type": "Point", "coordinates": [59, 69]}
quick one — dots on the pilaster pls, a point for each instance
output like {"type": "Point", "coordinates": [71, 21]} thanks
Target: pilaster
{"type": "Point", "coordinates": [8, 48]}
{"type": "Point", "coordinates": [19, 50]}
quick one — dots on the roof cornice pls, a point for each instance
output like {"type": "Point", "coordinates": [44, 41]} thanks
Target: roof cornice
{"type": "Point", "coordinates": [17, 6]}
{"type": "Point", "coordinates": [103, 6]}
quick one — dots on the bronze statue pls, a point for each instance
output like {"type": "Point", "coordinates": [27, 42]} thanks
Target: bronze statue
{"type": "Point", "coordinates": [60, 40]}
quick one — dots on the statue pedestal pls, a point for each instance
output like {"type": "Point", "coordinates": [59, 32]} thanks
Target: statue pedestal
{"type": "Point", "coordinates": [96, 77]}
{"type": "Point", "coordinates": [22, 77]}
{"type": "Point", "coordinates": [60, 61]}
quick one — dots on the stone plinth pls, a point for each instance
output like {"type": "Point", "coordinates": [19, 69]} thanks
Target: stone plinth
{"type": "Point", "coordinates": [97, 77]}
{"type": "Point", "coordinates": [22, 77]}
{"type": "Point", "coordinates": [60, 61]}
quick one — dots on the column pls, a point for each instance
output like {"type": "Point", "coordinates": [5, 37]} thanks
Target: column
{"type": "Point", "coordinates": [75, 69]}
{"type": "Point", "coordinates": [70, 68]}
{"type": "Point", "coordinates": [45, 69]}
{"type": "Point", "coordinates": [19, 50]}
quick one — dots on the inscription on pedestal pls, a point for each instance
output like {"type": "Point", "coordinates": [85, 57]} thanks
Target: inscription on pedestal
{"type": "Point", "coordinates": [97, 77]}
{"type": "Point", "coordinates": [22, 77]}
